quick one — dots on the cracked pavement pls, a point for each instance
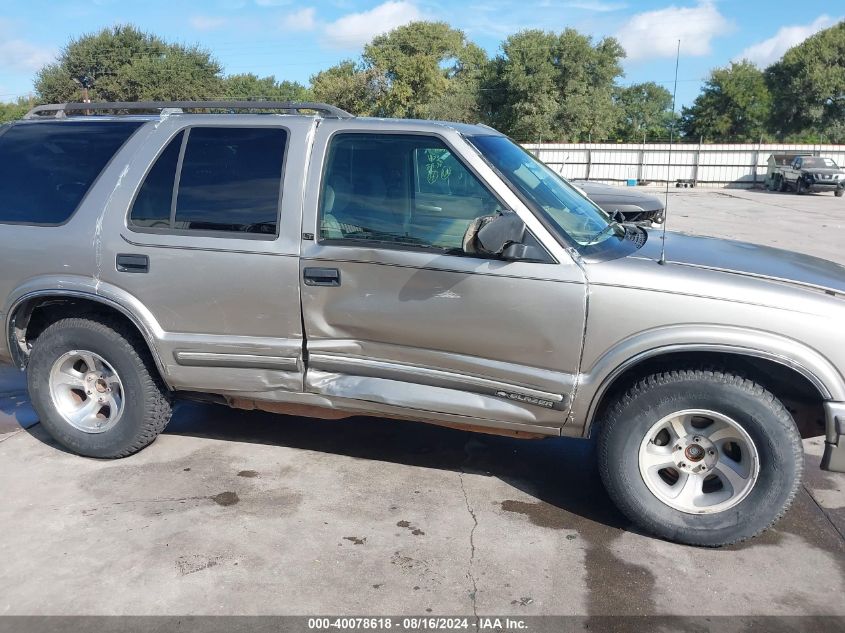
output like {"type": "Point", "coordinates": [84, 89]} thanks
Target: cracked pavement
{"type": "Point", "coordinates": [236, 512]}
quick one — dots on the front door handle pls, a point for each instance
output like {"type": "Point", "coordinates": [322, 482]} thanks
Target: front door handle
{"type": "Point", "coordinates": [133, 263]}
{"type": "Point", "coordinates": [321, 277]}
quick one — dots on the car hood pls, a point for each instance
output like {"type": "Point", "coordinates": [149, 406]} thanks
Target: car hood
{"type": "Point", "coordinates": [746, 259]}
{"type": "Point", "coordinates": [610, 194]}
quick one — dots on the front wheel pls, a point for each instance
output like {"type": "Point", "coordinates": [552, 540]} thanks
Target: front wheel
{"type": "Point", "coordinates": [700, 457]}
{"type": "Point", "coordinates": [800, 187]}
{"type": "Point", "coordinates": [838, 193]}
{"type": "Point", "coordinates": [95, 388]}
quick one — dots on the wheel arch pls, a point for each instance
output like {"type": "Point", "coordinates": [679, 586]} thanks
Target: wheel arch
{"type": "Point", "coordinates": [786, 377]}
{"type": "Point", "coordinates": [33, 311]}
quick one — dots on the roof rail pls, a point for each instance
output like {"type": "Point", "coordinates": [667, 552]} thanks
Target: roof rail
{"type": "Point", "coordinates": [60, 110]}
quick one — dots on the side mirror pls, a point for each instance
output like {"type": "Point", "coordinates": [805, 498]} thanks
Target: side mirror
{"type": "Point", "coordinates": [502, 235]}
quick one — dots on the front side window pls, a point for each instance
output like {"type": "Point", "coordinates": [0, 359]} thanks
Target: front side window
{"type": "Point", "coordinates": [399, 190]}
{"type": "Point", "coordinates": [229, 180]}
{"type": "Point", "coordinates": [47, 167]}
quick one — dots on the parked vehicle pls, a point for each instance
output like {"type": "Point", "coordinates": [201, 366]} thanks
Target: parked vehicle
{"type": "Point", "coordinates": [803, 173]}
{"type": "Point", "coordinates": [330, 266]}
{"type": "Point", "coordinates": [631, 205]}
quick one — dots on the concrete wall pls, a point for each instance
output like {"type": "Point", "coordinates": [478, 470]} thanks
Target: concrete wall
{"type": "Point", "coordinates": [706, 165]}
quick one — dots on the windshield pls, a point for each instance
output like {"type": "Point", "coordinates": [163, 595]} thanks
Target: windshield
{"type": "Point", "coordinates": [814, 161]}
{"type": "Point", "coordinates": [572, 214]}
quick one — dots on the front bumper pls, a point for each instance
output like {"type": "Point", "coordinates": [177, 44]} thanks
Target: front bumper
{"type": "Point", "coordinates": [824, 185]}
{"type": "Point", "coordinates": [834, 441]}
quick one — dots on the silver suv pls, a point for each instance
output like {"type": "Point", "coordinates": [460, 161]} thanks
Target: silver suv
{"type": "Point", "coordinates": [303, 261]}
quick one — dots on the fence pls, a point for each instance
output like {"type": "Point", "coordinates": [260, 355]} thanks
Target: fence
{"type": "Point", "coordinates": [707, 165]}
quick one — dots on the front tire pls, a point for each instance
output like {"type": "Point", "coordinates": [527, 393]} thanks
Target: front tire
{"type": "Point", "coordinates": [800, 188]}
{"type": "Point", "coordinates": [839, 192]}
{"type": "Point", "coordinates": [700, 457]}
{"type": "Point", "coordinates": [95, 388]}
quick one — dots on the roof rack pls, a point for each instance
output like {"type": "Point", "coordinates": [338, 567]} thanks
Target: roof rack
{"type": "Point", "coordinates": [60, 110]}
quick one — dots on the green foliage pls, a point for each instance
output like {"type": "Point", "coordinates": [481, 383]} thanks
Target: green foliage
{"type": "Point", "coordinates": [125, 64]}
{"type": "Point", "coordinates": [553, 87]}
{"type": "Point", "coordinates": [542, 86]}
{"type": "Point", "coordinates": [808, 86]}
{"type": "Point", "coordinates": [644, 111]}
{"type": "Point", "coordinates": [13, 111]}
{"type": "Point", "coordinates": [429, 69]}
{"type": "Point", "coordinates": [248, 86]}
{"type": "Point", "coordinates": [349, 86]}
{"type": "Point", "coordinates": [734, 105]}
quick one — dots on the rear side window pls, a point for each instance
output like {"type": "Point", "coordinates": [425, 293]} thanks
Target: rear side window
{"type": "Point", "coordinates": [224, 179]}
{"type": "Point", "coordinates": [46, 168]}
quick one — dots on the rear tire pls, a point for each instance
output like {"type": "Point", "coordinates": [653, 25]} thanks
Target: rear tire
{"type": "Point", "coordinates": [95, 388]}
{"type": "Point", "coordinates": [662, 469]}
{"type": "Point", "coordinates": [838, 193]}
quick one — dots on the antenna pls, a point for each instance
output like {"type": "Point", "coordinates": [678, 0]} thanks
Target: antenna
{"type": "Point", "coordinates": [669, 161]}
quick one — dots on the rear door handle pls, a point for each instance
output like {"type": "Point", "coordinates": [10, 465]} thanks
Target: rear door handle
{"type": "Point", "coordinates": [133, 263]}
{"type": "Point", "coordinates": [321, 277]}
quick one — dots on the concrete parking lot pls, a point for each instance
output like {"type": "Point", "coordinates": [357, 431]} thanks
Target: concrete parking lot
{"type": "Point", "coordinates": [233, 512]}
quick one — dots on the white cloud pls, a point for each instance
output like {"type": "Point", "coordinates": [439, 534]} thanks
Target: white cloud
{"type": "Point", "coordinates": [272, 3]}
{"type": "Point", "coordinates": [356, 29]}
{"type": "Point", "coordinates": [302, 20]}
{"type": "Point", "coordinates": [206, 22]}
{"type": "Point", "coordinates": [19, 55]}
{"type": "Point", "coordinates": [769, 51]}
{"type": "Point", "coordinates": [656, 33]}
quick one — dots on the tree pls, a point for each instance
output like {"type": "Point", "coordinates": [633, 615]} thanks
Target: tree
{"type": "Point", "coordinates": [734, 105]}
{"type": "Point", "coordinates": [644, 112]}
{"type": "Point", "coordinates": [248, 86]}
{"type": "Point", "coordinates": [14, 110]}
{"type": "Point", "coordinates": [808, 86]}
{"type": "Point", "coordinates": [123, 63]}
{"type": "Point", "coordinates": [428, 68]}
{"type": "Point", "coordinates": [350, 87]}
{"type": "Point", "coordinates": [553, 87]}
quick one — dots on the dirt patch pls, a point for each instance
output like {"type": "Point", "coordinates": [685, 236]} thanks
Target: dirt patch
{"type": "Point", "coordinates": [614, 585]}
{"type": "Point", "coordinates": [226, 498]}
{"type": "Point", "coordinates": [249, 474]}
{"type": "Point", "coordinates": [413, 529]}
{"type": "Point", "coordinates": [355, 540]}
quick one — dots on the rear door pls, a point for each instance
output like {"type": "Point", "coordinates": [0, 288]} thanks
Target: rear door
{"type": "Point", "coordinates": [209, 246]}
{"type": "Point", "coordinates": [396, 314]}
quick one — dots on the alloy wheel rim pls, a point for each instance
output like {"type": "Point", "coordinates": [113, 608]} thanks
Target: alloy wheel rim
{"type": "Point", "coordinates": [698, 461]}
{"type": "Point", "coordinates": [86, 391]}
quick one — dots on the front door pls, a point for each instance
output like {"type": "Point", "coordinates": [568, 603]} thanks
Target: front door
{"type": "Point", "coordinates": [395, 313]}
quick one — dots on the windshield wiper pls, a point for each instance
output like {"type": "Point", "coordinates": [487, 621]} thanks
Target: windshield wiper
{"type": "Point", "coordinates": [609, 227]}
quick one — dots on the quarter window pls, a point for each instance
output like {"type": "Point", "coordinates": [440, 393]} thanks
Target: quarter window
{"type": "Point", "coordinates": [403, 190]}
{"type": "Point", "coordinates": [229, 179]}
{"type": "Point", "coordinates": [47, 167]}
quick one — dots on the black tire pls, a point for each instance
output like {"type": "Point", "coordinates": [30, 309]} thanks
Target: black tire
{"type": "Point", "coordinates": [762, 416]}
{"type": "Point", "coordinates": [839, 192]}
{"type": "Point", "coordinates": [781, 184]}
{"type": "Point", "coordinates": [147, 407]}
{"type": "Point", "coordinates": [800, 189]}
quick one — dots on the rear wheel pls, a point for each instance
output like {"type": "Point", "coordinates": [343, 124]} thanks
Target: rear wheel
{"type": "Point", "coordinates": [838, 193]}
{"type": "Point", "coordinates": [700, 457]}
{"type": "Point", "coordinates": [781, 183]}
{"type": "Point", "coordinates": [95, 388]}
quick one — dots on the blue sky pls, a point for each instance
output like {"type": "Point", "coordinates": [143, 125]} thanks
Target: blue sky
{"type": "Point", "coordinates": [293, 40]}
